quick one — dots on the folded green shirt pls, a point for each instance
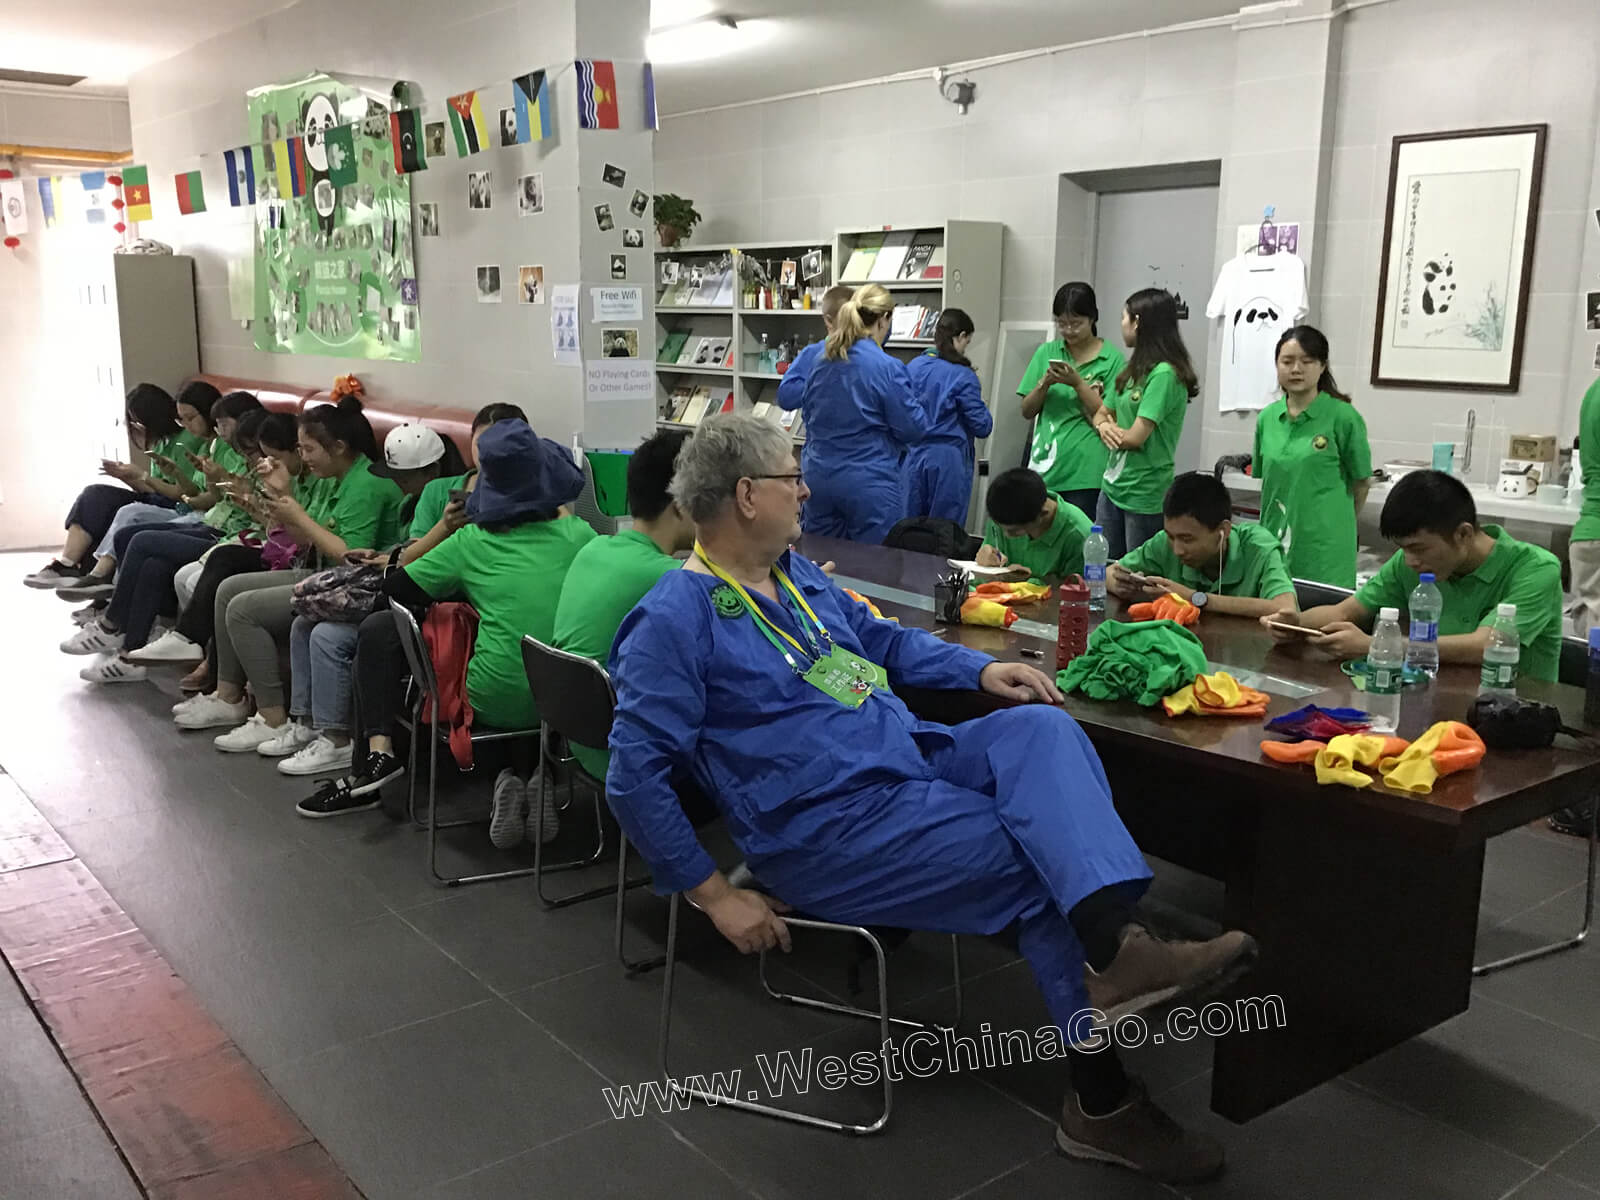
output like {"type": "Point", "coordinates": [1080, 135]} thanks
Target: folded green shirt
{"type": "Point", "coordinates": [1140, 662]}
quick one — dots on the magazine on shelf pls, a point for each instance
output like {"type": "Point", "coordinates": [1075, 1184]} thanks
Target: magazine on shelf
{"type": "Point", "coordinates": [916, 262]}
{"type": "Point", "coordinates": [678, 401]}
{"type": "Point", "coordinates": [887, 265]}
{"type": "Point", "coordinates": [697, 406]}
{"type": "Point", "coordinates": [935, 267]}
{"type": "Point", "coordinates": [859, 267]}
{"type": "Point", "coordinates": [671, 347]}
{"type": "Point", "coordinates": [905, 320]}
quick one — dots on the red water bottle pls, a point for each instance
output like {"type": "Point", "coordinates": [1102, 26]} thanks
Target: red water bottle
{"type": "Point", "coordinates": [1072, 637]}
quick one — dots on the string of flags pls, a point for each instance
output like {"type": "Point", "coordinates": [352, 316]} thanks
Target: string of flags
{"type": "Point", "coordinates": [284, 159]}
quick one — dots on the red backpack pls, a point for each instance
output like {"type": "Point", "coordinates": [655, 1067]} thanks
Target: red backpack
{"type": "Point", "coordinates": [450, 630]}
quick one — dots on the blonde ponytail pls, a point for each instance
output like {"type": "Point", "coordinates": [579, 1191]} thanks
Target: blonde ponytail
{"type": "Point", "coordinates": [857, 316]}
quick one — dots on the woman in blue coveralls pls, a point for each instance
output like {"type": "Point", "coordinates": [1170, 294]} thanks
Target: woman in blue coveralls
{"type": "Point", "coordinates": [860, 416]}
{"type": "Point", "coordinates": [938, 470]}
{"type": "Point", "coordinates": [751, 672]}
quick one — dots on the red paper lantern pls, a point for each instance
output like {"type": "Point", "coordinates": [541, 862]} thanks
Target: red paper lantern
{"type": "Point", "coordinates": [114, 180]}
{"type": "Point", "coordinates": [117, 204]}
{"type": "Point", "coordinates": [120, 227]}
{"type": "Point", "coordinates": [12, 243]}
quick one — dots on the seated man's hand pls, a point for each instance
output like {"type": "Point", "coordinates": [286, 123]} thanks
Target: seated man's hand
{"type": "Point", "coordinates": [1342, 639]}
{"type": "Point", "coordinates": [747, 919]}
{"type": "Point", "coordinates": [988, 556]}
{"type": "Point", "coordinates": [1018, 681]}
{"type": "Point", "coordinates": [1155, 585]}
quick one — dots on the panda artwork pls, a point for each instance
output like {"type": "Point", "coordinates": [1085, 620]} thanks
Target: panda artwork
{"type": "Point", "coordinates": [1438, 285]}
{"type": "Point", "coordinates": [318, 115]}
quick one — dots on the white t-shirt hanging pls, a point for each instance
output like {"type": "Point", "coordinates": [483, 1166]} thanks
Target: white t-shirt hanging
{"type": "Point", "coordinates": [1257, 296]}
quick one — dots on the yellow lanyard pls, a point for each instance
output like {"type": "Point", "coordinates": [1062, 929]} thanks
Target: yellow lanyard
{"type": "Point", "coordinates": [766, 626]}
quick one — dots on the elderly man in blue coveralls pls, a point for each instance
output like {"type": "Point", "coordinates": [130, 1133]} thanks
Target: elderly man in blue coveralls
{"type": "Point", "coordinates": [749, 670]}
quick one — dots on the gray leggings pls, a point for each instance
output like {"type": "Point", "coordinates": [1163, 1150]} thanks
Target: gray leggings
{"type": "Point", "coordinates": [253, 619]}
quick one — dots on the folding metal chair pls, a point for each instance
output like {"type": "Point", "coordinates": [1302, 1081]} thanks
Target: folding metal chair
{"type": "Point", "coordinates": [426, 692]}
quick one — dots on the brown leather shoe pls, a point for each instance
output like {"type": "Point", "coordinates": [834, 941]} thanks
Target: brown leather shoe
{"type": "Point", "coordinates": [1141, 1137]}
{"type": "Point", "coordinates": [1148, 971]}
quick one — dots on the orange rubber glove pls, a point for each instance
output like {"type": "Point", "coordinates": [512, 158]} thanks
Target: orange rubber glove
{"type": "Point", "coordinates": [1307, 751]}
{"type": "Point", "coordinates": [1446, 747]}
{"type": "Point", "coordinates": [1012, 593]}
{"type": "Point", "coordinates": [1170, 607]}
{"type": "Point", "coordinates": [1218, 695]}
{"type": "Point", "coordinates": [871, 607]}
{"type": "Point", "coordinates": [975, 610]}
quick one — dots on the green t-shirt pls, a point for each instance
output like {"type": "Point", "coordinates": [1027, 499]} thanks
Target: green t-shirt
{"type": "Point", "coordinates": [1136, 481]}
{"type": "Point", "coordinates": [1253, 566]}
{"type": "Point", "coordinates": [432, 502]}
{"type": "Point", "coordinates": [1057, 554]}
{"type": "Point", "coordinates": [226, 517]}
{"type": "Point", "coordinates": [514, 580]}
{"type": "Point", "coordinates": [362, 508]}
{"type": "Point", "coordinates": [1588, 527]}
{"type": "Point", "coordinates": [1514, 573]}
{"type": "Point", "coordinates": [172, 446]}
{"type": "Point", "coordinates": [607, 579]}
{"type": "Point", "coordinates": [1067, 451]}
{"type": "Point", "coordinates": [1307, 466]}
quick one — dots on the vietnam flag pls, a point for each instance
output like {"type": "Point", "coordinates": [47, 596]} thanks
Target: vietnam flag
{"type": "Point", "coordinates": [466, 120]}
{"type": "Point", "coordinates": [191, 193]}
{"type": "Point", "coordinates": [597, 94]}
{"type": "Point", "coordinates": [136, 193]}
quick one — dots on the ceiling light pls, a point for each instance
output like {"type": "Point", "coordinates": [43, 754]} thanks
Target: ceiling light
{"type": "Point", "coordinates": [706, 39]}
{"type": "Point", "coordinates": [668, 14]}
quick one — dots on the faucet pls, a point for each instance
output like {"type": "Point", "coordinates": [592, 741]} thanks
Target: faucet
{"type": "Point", "coordinates": [1472, 425]}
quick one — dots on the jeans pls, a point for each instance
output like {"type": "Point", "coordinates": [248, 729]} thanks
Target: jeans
{"type": "Point", "coordinates": [131, 518]}
{"type": "Point", "coordinates": [144, 588]}
{"type": "Point", "coordinates": [380, 675]}
{"type": "Point", "coordinates": [98, 503]}
{"type": "Point", "coordinates": [1125, 531]}
{"type": "Point", "coordinates": [322, 658]}
{"type": "Point", "coordinates": [1086, 500]}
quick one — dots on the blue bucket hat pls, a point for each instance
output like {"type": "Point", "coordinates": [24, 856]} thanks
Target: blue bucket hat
{"type": "Point", "coordinates": [521, 474]}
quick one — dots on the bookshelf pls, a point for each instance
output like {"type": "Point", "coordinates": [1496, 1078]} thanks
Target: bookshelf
{"type": "Point", "coordinates": [739, 323]}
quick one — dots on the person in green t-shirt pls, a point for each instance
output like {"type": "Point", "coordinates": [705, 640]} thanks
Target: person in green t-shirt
{"type": "Point", "coordinates": [611, 575]}
{"type": "Point", "coordinates": [1064, 386]}
{"type": "Point", "coordinates": [1141, 421]}
{"type": "Point", "coordinates": [1584, 553]}
{"type": "Point", "coordinates": [1205, 557]}
{"type": "Point", "coordinates": [1314, 463]}
{"type": "Point", "coordinates": [441, 509]}
{"type": "Point", "coordinates": [1033, 527]}
{"type": "Point", "coordinates": [1431, 517]}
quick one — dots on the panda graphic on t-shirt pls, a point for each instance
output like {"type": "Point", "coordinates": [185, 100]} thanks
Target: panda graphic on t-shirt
{"type": "Point", "coordinates": [1256, 324]}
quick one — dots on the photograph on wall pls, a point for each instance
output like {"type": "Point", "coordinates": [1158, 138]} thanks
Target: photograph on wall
{"type": "Point", "coordinates": [427, 220]}
{"type": "Point", "coordinates": [488, 285]}
{"type": "Point", "coordinates": [433, 138]}
{"type": "Point", "coordinates": [530, 195]}
{"type": "Point", "coordinates": [669, 270]}
{"type": "Point", "coordinates": [633, 239]}
{"type": "Point", "coordinates": [619, 266]}
{"type": "Point", "coordinates": [810, 265]}
{"type": "Point", "coordinates": [639, 203]}
{"type": "Point", "coordinates": [480, 193]}
{"type": "Point", "coordinates": [619, 343]}
{"type": "Point", "coordinates": [1591, 310]}
{"type": "Point", "coordinates": [614, 175]}
{"type": "Point", "coordinates": [530, 285]}
{"type": "Point", "coordinates": [602, 218]}
{"type": "Point", "coordinates": [1457, 259]}
{"type": "Point", "coordinates": [508, 127]}
{"type": "Point", "coordinates": [333, 232]}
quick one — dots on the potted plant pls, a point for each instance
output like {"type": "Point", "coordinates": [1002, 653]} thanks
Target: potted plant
{"type": "Point", "coordinates": [675, 219]}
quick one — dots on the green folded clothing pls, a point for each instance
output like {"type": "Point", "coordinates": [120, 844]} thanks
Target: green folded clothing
{"type": "Point", "coordinates": [1140, 662]}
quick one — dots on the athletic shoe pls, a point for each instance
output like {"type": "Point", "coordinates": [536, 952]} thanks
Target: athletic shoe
{"type": "Point", "coordinates": [1148, 971]}
{"type": "Point", "coordinates": [544, 826]}
{"type": "Point", "coordinates": [197, 680]}
{"type": "Point", "coordinates": [1139, 1136]}
{"type": "Point", "coordinates": [92, 639]}
{"type": "Point", "coordinates": [209, 712]}
{"type": "Point", "coordinates": [380, 769]}
{"type": "Point", "coordinates": [170, 647]}
{"type": "Point", "coordinates": [292, 736]}
{"type": "Point", "coordinates": [246, 737]}
{"type": "Point", "coordinates": [91, 587]}
{"type": "Point", "coordinates": [111, 669]}
{"type": "Point", "coordinates": [87, 614]}
{"type": "Point", "coordinates": [321, 757]}
{"type": "Point", "coordinates": [335, 798]}
{"type": "Point", "coordinates": [506, 813]}
{"type": "Point", "coordinates": [56, 574]}
{"type": "Point", "coordinates": [1574, 820]}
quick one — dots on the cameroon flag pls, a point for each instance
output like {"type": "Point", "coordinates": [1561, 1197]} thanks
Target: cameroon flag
{"type": "Point", "coordinates": [466, 119]}
{"type": "Point", "coordinates": [191, 194]}
{"type": "Point", "coordinates": [136, 193]}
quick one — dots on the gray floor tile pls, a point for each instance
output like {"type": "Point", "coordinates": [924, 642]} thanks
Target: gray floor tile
{"type": "Point", "coordinates": [414, 1107]}
{"type": "Point", "coordinates": [66, 1165]}
{"type": "Point", "coordinates": [640, 1159]}
{"type": "Point", "coordinates": [1548, 1186]}
{"type": "Point", "coordinates": [38, 1094]}
{"type": "Point", "coordinates": [391, 857]}
{"type": "Point", "coordinates": [1581, 1162]}
{"type": "Point", "coordinates": [1052, 1176]}
{"type": "Point", "coordinates": [1560, 988]}
{"type": "Point", "coordinates": [1525, 868]}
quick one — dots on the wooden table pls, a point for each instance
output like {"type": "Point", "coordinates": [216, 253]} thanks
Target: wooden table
{"type": "Point", "coordinates": [1364, 901]}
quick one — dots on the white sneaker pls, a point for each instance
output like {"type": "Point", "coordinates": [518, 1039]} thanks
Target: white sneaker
{"type": "Point", "coordinates": [90, 613]}
{"type": "Point", "coordinates": [52, 577]}
{"type": "Point", "coordinates": [188, 702]}
{"type": "Point", "coordinates": [171, 647]}
{"type": "Point", "coordinates": [506, 813]}
{"type": "Point", "coordinates": [92, 639]}
{"type": "Point", "coordinates": [321, 757]}
{"type": "Point", "coordinates": [294, 736]}
{"type": "Point", "coordinates": [247, 737]}
{"type": "Point", "coordinates": [209, 712]}
{"type": "Point", "coordinates": [111, 669]}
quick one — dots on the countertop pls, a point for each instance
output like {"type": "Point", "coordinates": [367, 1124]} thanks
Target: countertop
{"type": "Point", "coordinates": [1556, 514]}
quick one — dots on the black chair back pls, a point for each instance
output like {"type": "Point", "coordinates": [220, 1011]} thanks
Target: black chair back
{"type": "Point", "coordinates": [573, 694]}
{"type": "Point", "coordinates": [932, 535]}
{"type": "Point", "coordinates": [1573, 667]}
{"type": "Point", "coordinates": [416, 652]}
{"type": "Point", "coordinates": [1308, 593]}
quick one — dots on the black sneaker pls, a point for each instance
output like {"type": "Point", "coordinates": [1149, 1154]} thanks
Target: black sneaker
{"type": "Point", "coordinates": [1574, 820]}
{"type": "Point", "coordinates": [380, 769]}
{"type": "Point", "coordinates": [334, 799]}
{"type": "Point", "coordinates": [90, 587]}
{"type": "Point", "coordinates": [56, 574]}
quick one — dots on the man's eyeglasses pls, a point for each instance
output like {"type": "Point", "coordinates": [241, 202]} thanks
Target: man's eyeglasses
{"type": "Point", "coordinates": [794, 477]}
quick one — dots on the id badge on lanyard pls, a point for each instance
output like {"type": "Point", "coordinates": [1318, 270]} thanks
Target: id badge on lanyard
{"type": "Point", "coordinates": [846, 677]}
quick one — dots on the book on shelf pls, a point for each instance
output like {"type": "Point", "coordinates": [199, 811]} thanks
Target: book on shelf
{"type": "Point", "coordinates": [930, 319]}
{"type": "Point", "coordinates": [717, 352]}
{"type": "Point", "coordinates": [912, 322]}
{"type": "Point", "coordinates": [671, 347]}
{"type": "Point", "coordinates": [678, 401]}
{"type": "Point", "coordinates": [761, 408]}
{"type": "Point", "coordinates": [727, 403]}
{"type": "Point", "coordinates": [935, 267]}
{"type": "Point", "coordinates": [698, 403]}
{"type": "Point", "coordinates": [859, 267]}
{"type": "Point", "coordinates": [704, 352]}
{"type": "Point", "coordinates": [893, 253]}
{"type": "Point", "coordinates": [917, 259]}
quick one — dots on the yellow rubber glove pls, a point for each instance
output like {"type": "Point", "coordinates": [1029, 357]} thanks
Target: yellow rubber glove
{"type": "Point", "coordinates": [1445, 748]}
{"type": "Point", "coordinates": [1337, 763]}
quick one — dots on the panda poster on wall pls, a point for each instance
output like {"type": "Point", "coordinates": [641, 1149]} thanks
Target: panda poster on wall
{"type": "Point", "coordinates": [330, 263]}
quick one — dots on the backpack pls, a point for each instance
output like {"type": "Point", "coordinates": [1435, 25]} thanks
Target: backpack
{"type": "Point", "coordinates": [932, 535]}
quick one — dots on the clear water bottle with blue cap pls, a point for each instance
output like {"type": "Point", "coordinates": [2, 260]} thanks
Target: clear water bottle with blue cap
{"type": "Point", "coordinates": [1424, 607]}
{"type": "Point", "coordinates": [1096, 553]}
{"type": "Point", "coordinates": [1501, 656]}
{"type": "Point", "coordinates": [1386, 661]}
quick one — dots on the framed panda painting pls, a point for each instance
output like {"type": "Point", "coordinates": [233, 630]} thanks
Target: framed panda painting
{"type": "Point", "coordinates": [1457, 259]}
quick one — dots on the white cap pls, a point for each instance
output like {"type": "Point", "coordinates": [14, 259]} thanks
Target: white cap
{"type": "Point", "coordinates": [410, 446]}
{"type": "Point", "coordinates": [1388, 614]}
{"type": "Point", "coordinates": [1507, 610]}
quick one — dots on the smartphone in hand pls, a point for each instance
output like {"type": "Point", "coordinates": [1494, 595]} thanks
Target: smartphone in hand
{"type": "Point", "coordinates": [1286, 627]}
{"type": "Point", "coordinates": [459, 495]}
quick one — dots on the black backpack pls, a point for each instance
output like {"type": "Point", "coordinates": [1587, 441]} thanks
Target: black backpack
{"type": "Point", "coordinates": [933, 535]}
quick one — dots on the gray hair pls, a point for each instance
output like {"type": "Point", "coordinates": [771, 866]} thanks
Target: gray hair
{"type": "Point", "coordinates": [724, 449]}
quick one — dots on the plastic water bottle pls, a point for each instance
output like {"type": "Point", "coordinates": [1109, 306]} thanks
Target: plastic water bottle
{"type": "Point", "coordinates": [1386, 663]}
{"type": "Point", "coordinates": [1096, 553]}
{"type": "Point", "coordinates": [1501, 655]}
{"type": "Point", "coordinates": [1424, 606]}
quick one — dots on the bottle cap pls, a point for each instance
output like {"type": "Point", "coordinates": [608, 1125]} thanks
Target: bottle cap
{"type": "Point", "coordinates": [1426, 577]}
{"type": "Point", "coordinates": [1096, 529]}
{"type": "Point", "coordinates": [1507, 610]}
{"type": "Point", "coordinates": [1388, 614]}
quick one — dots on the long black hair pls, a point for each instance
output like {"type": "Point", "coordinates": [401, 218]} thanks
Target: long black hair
{"type": "Point", "coordinates": [341, 422]}
{"type": "Point", "coordinates": [152, 409]}
{"type": "Point", "coordinates": [234, 405]}
{"type": "Point", "coordinates": [277, 432]}
{"type": "Point", "coordinates": [1076, 299]}
{"type": "Point", "coordinates": [200, 396]}
{"type": "Point", "coordinates": [953, 322]}
{"type": "Point", "coordinates": [1158, 340]}
{"type": "Point", "coordinates": [1315, 345]}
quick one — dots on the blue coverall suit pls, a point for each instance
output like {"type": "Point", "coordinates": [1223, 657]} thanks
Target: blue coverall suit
{"type": "Point", "coordinates": [938, 470]}
{"type": "Point", "coordinates": [860, 415]}
{"type": "Point", "coordinates": [868, 815]}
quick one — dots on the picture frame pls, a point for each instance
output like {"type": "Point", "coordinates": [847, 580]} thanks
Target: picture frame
{"type": "Point", "coordinates": [1457, 264]}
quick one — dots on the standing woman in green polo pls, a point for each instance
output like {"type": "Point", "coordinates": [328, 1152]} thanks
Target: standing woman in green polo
{"type": "Point", "coordinates": [1064, 386]}
{"type": "Point", "coordinates": [1142, 420]}
{"type": "Point", "coordinates": [1314, 463]}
